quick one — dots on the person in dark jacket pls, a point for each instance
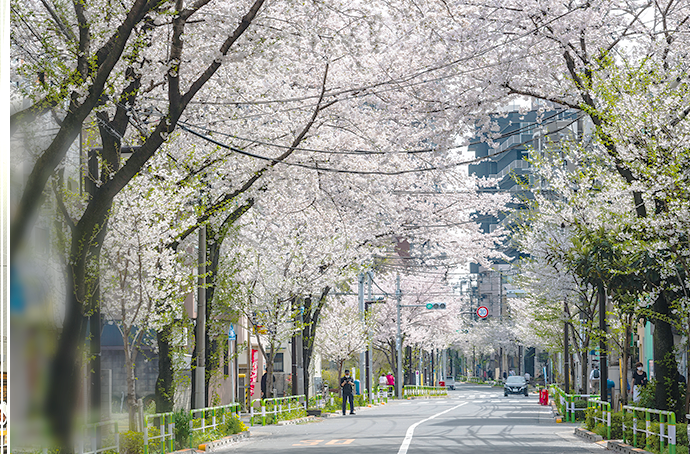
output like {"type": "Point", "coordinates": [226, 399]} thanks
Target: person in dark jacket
{"type": "Point", "coordinates": [639, 381]}
{"type": "Point", "coordinates": [347, 385]}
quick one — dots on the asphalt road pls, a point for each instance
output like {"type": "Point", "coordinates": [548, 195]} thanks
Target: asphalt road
{"type": "Point", "coordinates": [473, 419]}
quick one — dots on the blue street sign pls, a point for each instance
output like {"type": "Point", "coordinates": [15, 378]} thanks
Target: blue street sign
{"type": "Point", "coordinates": [231, 333]}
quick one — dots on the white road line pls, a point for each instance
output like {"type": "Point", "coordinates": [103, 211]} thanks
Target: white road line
{"type": "Point", "coordinates": [410, 430]}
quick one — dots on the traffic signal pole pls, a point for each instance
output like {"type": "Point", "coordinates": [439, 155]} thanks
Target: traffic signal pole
{"type": "Point", "coordinates": [398, 340]}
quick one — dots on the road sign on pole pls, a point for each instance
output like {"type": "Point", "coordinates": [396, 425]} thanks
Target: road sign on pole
{"type": "Point", "coordinates": [482, 312]}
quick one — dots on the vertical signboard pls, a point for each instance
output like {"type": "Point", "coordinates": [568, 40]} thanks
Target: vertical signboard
{"type": "Point", "coordinates": [252, 376]}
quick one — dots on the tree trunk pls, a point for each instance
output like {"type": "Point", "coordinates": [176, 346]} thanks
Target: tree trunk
{"type": "Point", "coordinates": [310, 321]}
{"type": "Point", "coordinates": [624, 369]}
{"type": "Point", "coordinates": [131, 391]}
{"type": "Point", "coordinates": [165, 392]}
{"type": "Point", "coordinates": [687, 378]}
{"type": "Point", "coordinates": [665, 367]}
{"type": "Point", "coordinates": [64, 372]}
{"type": "Point", "coordinates": [269, 372]}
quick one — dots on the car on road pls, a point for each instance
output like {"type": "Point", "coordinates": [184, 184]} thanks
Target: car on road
{"type": "Point", "coordinates": [450, 383]}
{"type": "Point", "coordinates": [515, 384]}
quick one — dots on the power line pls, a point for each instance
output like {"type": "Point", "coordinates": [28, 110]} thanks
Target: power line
{"type": "Point", "coordinates": [355, 172]}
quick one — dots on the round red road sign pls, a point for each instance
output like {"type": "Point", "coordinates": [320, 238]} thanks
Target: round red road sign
{"type": "Point", "coordinates": [482, 312]}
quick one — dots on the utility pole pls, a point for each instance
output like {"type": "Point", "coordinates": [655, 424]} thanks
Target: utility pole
{"type": "Point", "coordinates": [298, 350]}
{"type": "Point", "coordinates": [362, 354]}
{"type": "Point", "coordinates": [398, 340]}
{"type": "Point", "coordinates": [566, 354]}
{"type": "Point", "coordinates": [370, 351]}
{"type": "Point", "coordinates": [200, 371]}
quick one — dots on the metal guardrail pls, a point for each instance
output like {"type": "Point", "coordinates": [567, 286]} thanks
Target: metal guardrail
{"type": "Point", "coordinates": [605, 408]}
{"type": "Point", "coordinates": [670, 436]}
{"type": "Point", "coordinates": [320, 400]}
{"type": "Point", "coordinates": [217, 416]}
{"type": "Point", "coordinates": [566, 402]}
{"type": "Point", "coordinates": [277, 406]}
{"type": "Point", "coordinates": [411, 390]}
{"type": "Point", "coordinates": [166, 425]}
{"type": "Point", "coordinates": [93, 435]}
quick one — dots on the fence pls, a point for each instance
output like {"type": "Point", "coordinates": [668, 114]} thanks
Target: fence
{"type": "Point", "coordinates": [320, 400]}
{"type": "Point", "coordinates": [424, 391]}
{"type": "Point", "coordinates": [277, 406]}
{"type": "Point", "coordinates": [670, 421]}
{"type": "Point", "coordinates": [211, 417]}
{"type": "Point", "coordinates": [166, 425]}
{"type": "Point", "coordinates": [605, 409]}
{"type": "Point", "coordinates": [384, 392]}
{"type": "Point", "coordinates": [94, 435]}
{"type": "Point", "coordinates": [566, 402]}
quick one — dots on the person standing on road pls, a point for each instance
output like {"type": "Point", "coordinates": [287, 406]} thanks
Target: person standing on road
{"type": "Point", "coordinates": [390, 379]}
{"type": "Point", "coordinates": [347, 384]}
{"type": "Point", "coordinates": [639, 381]}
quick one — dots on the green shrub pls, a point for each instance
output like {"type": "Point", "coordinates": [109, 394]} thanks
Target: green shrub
{"type": "Point", "coordinates": [647, 398]}
{"type": "Point", "coordinates": [590, 413]}
{"type": "Point", "coordinates": [182, 429]}
{"type": "Point", "coordinates": [232, 425]}
{"type": "Point", "coordinates": [360, 401]}
{"type": "Point", "coordinates": [200, 437]}
{"type": "Point", "coordinates": [131, 442]}
{"type": "Point", "coordinates": [617, 425]}
{"type": "Point", "coordinates": [601, 430]}
{"type": "Point", "coordinates": [154, 444]}
{"type": "Point", "coordinates": [681, 434]}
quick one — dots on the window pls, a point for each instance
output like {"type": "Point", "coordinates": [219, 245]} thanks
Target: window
{"type": "Point", "coordinates": [278, 365]}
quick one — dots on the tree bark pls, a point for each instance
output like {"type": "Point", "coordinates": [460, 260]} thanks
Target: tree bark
{"type": "Point", "coordinates": [665, 366]}
{"type": "Point", "coordinates": [164, 394]}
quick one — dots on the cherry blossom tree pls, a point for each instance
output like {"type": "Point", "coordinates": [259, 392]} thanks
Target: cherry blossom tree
{"type": "Point", "coordinates": [143, 281]}
{"type": "Point", "coordinates": [342, 333]}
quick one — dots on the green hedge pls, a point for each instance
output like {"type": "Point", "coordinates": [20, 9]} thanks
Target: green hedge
{"type": "Point", "coordinates": [617, 431]}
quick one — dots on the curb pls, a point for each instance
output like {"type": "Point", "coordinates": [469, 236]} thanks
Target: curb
{"type": "Point", "coordinates": [619, 446]}
{"type": "Point", "coordinates": [291, 422]}
{"type": "Point", "coordinates": [217, 445]}
{"type": "Point", "coordinates": [587, 435]}
{"type": "Point", "coordinates": [611, 445]}
{"type": "Point", "coordinates": [425, 397]}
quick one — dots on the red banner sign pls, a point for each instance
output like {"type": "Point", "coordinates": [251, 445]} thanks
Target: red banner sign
{"type": "Point", "coordinates": [253, 374]}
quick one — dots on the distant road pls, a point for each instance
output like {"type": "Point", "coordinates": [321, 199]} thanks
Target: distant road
{"type": "Point", "coordinates": [473, 419]}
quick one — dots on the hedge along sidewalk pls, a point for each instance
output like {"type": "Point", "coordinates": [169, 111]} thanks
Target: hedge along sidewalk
{"type": "Point", "coordinates": [605, 409]}
{"type": "Point", "coordinates": [217, 415]}
{"type": "Point", "coordinates": [416, 391]}
{"type": "Point", "coordinates": [670, 422]}
{"type": "Point", "coordinates": [278, 406]}
{"type": "Point", "coordinates": [566, 402]}
{"type": "Point", "coordinates": [166, 425]}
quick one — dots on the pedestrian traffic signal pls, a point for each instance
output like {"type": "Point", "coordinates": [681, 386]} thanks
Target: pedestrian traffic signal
{"type": "Point", "coordinates": [435, 305]}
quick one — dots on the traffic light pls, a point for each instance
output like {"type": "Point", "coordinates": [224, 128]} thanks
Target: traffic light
{"type": "Point", "coordinates": [435, 305]}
